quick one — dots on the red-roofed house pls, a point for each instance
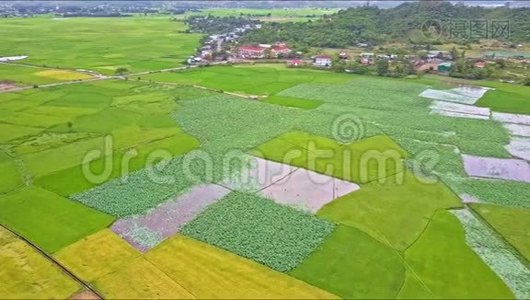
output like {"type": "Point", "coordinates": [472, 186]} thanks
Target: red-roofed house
{"type": "Point", "coordinates": [278, 49]}
{"type": "Point", "coordinates": [479, 64]}
{"type": "Point", "coordinates": [295, 62]}
{"type": "Point", "coordinates": [249, 51]}
{"type": "Point", "coordinates": [322, 61]}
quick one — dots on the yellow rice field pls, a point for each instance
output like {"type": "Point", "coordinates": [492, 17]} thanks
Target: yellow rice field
{"type": "Point", "coordinates": [26, 274]}
{"type": "Point", "coordinates": [210, 272]}
{"type": "Point", "coordinates": [63, 75]}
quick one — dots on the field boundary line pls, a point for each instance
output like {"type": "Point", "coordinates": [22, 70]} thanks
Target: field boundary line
{"type": "Point", "coordinates": [176, 282]}
{"type": "Point", "coordinates": [50, 258]}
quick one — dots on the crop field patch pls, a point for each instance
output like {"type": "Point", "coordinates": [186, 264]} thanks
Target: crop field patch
{"type": "Point", "coordinates": [395, 107]}
{"type": "Point", "coordinates": [508, 98]}
{"type": "Point", "coordinates": [347, 262]}
{"type": "Point", "coordinates": [460, 108]}
{"type": "Point", "coordinates": [253, 80]}
{"type": "Point", "coordinates": [63, 75]}
{"type": "Point", "coordinates": [148, 230]}
{"type": "Point", "coordinates": [518, 129]}
{"type": "Point", "coordinates": [137, 194]}
{"type": "Point", "coordinates": [10, 132]}
{"type": "Point", "coordinates": [70, 155]}
{"type": "Point", "coordinates": [48, 220]}
{"type": "Point", "coordinates": [292, 102]}
{"type": "Point", "coordinates": [361, 161]}
{"type": "Point", "coordinates": [97, 255]}
{"type": "Point", "coordinates": [496, 253]}
{"type": "Point", "coordinates": [210, 272]}
{"type": "Point", "coordinates": [28, 274]}
{"type": "Point", "coordinates": [464, 95]}
{"type": "Point", "coordinates": [129, 42]}
{"type": "Point", "coordinates": [396, 211]}
{"type": "Point", "coordinates": [277, 236]}
{"type": "Point", "coordinates": [455, 114]}
{"type": "Point", "coordinates": [511, 223]}
{"type": "Point", "coordinates": [21, 75]}
{"type": "Point", "coordinates": [257, 174]}
{"type": "Point", "coordinates": [14, 180]}
{"type": "Point", "coordinates": [453, 268]}
{"type": "Point", "coordinates": [139, 279]}
{"type": "Point", "coordinates": [116, 269]}
{"type": "Point", "coordinates": [511, 118]}
{"type": "Point", "coordinates": [488, 167]}
{"type": "Point", "coordinates": [307, 190]}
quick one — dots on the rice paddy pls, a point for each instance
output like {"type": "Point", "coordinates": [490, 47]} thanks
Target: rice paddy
{"type": "Point", "coordinates": [134, 186]}
{"type": "Point", "coordinates": [28, 274]}
{"type": "Point", "coordinates": [136, 43]}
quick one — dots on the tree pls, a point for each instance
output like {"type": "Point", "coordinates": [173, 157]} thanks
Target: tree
{"type": "Point", "coordinates": [454, 53]}
{"type": "Point", "coordinates": [381, 66]}
{"type": "Point", "coordinates": [121, 71]}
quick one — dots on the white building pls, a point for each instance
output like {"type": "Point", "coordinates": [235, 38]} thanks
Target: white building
{"type": "Point", "coordinates": [322, 61]}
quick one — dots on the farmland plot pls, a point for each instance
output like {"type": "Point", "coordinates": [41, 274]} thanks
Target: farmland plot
{"type": "Point", "coordinates": [511, 223]}
{"type": "Point", "coordinates": [448, 267]}
{"type": "Point", "coordinates": [257, 228]}
{"type": "Point", "coordinates": [210, 272]}
{"type": "Point", "coordinates": [117, 270]}
{"type": "Point", "coordinates": [348, 261]}
{"type": "Point", "coordinates": [509, 169]}
{"type": "Point", "coordinates": [28, 274]}
{"type": "Point", "coordinates": [136, 43]}
{"type": "Point", "coordinates": [48, 220]}
{"type": "Point", "coordinates": [21, 75]}
{"type": "Point", "coordinates": [146, 231]}
{"type": "Point", "coordinates": [394, 106]}
{"type": "Point", "coordinates": [496, 254]}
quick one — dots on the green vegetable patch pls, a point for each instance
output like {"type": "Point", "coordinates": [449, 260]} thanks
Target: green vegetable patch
{"type": "Point", "coordinates": [277, 236]}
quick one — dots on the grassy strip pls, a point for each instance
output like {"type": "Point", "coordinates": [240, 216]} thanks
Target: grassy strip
{"type": "Point", "coordinates": [292, 102]}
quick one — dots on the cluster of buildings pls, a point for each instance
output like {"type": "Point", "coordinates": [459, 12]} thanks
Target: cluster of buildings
{"type": "Point", "coordinates": [214, 43]}
{"type": "Point", "coordinates": [263, 51]}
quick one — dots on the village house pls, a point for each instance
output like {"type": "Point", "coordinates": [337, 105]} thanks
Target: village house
{"type": "Point", "coordinates": [263, 51]}
{"type": "Point", "coordinates": [280, 49]}
{"type": "Point", "coordinates": [251, 52]}
{"type": "Point", "coordinates": [479, 64]}
{"type": "Point", "coordinates": [322, 61]}
{"type": "Point", "coordinates": [294, 62]}
{"type": "Point", "coordinates": [444, 67]}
